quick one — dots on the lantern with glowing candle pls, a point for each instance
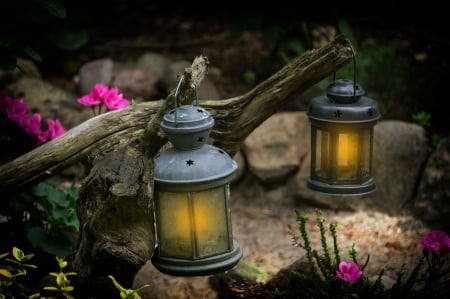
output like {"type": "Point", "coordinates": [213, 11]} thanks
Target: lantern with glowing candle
{"type": "Point", "coordinates": [192, 198]}
{"type": "Point", "coordinates": [342, 124]}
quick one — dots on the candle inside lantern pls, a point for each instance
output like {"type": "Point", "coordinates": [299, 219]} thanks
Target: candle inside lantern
{"type": "Point", "coordinates": [347, 149]}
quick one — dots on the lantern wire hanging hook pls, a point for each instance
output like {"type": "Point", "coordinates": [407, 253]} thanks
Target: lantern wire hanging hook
{"type": "Point", "coordinates": [175, 104]}
{"type": "Point", "coordinates": [354, 67]}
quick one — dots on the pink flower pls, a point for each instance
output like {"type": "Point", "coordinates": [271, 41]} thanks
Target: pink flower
{"type": "Point", "coordinates": [32, 125]}
{"type": "Point", "coordinates": [55, 128]}
{"type": "Point", "coordinates": [113, 100]}
{"type": "Point", "coordinates": [100, 94]}
{"type": "Point", "coordinates": [17, 110]}
{"type": "Point", "coordinates": [348, 272]}
{"type": "Point", "coordinates": [87, 100]}
{"type": "Point", "coordinates": [95, 97]}
{"type": "Point", "coordinates": [42, 137]}
{"type": "Point", "coordinates": [436, 241]}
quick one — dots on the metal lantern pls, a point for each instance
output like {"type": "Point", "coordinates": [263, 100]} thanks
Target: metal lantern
{"type": "Point", "coordinates": [192, 198]}
{"type": "Point", "coordinates": [342, 124]}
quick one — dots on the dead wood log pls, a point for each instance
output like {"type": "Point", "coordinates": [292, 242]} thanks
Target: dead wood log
{"type": "Point", "coordinates": [235, 118]}
{"type": "Point", "coordinates": [114, 204]}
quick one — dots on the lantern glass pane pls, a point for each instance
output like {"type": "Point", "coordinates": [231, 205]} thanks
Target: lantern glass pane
{"type": "Point", "coordinates": [211, 222]}
{"type": "Point", "coordinates": [342, 157]}
{"type": "Point", "coordinates": [174, 225]}
{"type": "Point", "coordinates": [321, 162]}
{"type": "Point", "coordinates": [194, 225]}
{"type": "Point", "coordinates": [366, 154]}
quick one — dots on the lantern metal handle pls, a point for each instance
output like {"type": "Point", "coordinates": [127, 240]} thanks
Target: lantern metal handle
{"type": "Point", "coordinates": [176, 94]}
{"type": "Point", "coordinates": [354, 68]}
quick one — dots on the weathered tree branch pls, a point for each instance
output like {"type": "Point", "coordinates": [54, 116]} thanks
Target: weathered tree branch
{"type": "Point", "coordinates": [235, 118]}
{"type": "Point", "coordinates": [114, 203]}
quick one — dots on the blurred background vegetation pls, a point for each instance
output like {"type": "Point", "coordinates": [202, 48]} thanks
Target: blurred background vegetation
{"type": "Point", "coordinates": [402, 57]}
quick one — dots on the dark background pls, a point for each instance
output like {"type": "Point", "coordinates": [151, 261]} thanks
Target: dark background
{"type": "Point", "coordinates": [402, 50]}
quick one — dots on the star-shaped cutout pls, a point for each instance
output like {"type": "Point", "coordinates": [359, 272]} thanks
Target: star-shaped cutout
{"type": "Point", "coordinates": [337, 114]}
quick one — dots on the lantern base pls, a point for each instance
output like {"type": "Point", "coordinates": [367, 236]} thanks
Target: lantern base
{"type": "Point", "coordinates": [205, 266]}
{"type": "Point", "coordinates": [343, 190]}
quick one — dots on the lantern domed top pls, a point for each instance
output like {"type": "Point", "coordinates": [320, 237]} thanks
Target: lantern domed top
{"type": "Point", "coordinates": [344, 103]}
{"type": "Point", "coordinates": [187, 127]}
{"type": "Point", "coordinates": [344, 91]}
{"type": "Point", "coordinates": [205, 167]}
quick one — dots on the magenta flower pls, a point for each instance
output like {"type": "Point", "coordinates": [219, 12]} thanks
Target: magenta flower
{"type": "Point", "coordinates": [348, 272]}
{"type": "Point", "coordinates": [32, 125]}
{"type": "Point", "coordinates": [436, 241]}
{"type": "Point", "coordinates": [102, 95]}
{"type": "Point", "coordinates": [114, 100]}
{"type": "Point", "coordinates": [87, 100]}
{"type": "Point", "coordinates": [17, 110]}
{"type": "Point", "coordinates": [55, 128]}
{"type": "Point", "coordinates": [42, 137]}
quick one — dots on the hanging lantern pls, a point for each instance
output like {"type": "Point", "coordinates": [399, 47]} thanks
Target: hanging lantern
{"type": "Point", "coordinates": [192, 198]}
{"type": "Point", "coordinates": [342, 124]}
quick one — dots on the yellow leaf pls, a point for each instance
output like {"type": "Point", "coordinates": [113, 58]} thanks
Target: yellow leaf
{"type": "Point", "coordinates": [18, 254]}
{"type": "Point", "coordinates": [5, 273]}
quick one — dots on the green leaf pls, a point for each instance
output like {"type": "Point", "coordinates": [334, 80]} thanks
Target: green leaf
{"type": "Point", "coordinates": [36, 236]}
{"type": "Point", "coordinates": [18, 253]}
{"type": "Point", "coordinates": [55, 8]}
{"type": "Point", "coordinates": [32, 53]}
{"type": "Point", "coordinates": [68, 40]}
{"type": "Point", "coordinates": [34, 296]}
{"type": "Point", "coordinates": [5, 273]}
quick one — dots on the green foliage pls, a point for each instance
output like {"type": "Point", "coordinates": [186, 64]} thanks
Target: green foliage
{"type": "Point", "coordinates": [63, 286]}
{"type": "Point", "coordinates": [429, 280]}
{"type": "Point", "coordinates": [12, 269]}
{"type": "Point", "coordinates": [36, 29]}
{"type": "Point", "coordinates": [47, 215]}
{"type": "Point", "coordinates": [127, 293]}
{"type": "Point", "coordinates": [423, 119]}
{"type": "Point", "coordinates": [249, 77]}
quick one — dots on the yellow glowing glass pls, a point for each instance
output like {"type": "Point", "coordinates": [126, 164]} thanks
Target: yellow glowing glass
{"type": "Point", "coordinates": [347, 149]}
{"type": "Point", "coordinates": [193, 224]}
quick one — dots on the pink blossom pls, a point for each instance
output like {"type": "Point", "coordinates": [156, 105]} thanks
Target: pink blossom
{"type": "Point", "coordinates": [17, 110]}
{"type": "Point", "coordinates": [98, 92]}
{"type": "Point", "coordinates": [95, 97]}
{"type": "Point", "coordinates": [436, 241]}
{"type": "Point", "coordinates": [101, 94]}
{"type": "Point", "coordinates": [42, 137]}
{"type": "Point", "coordinates": [32, 125]}
{"type": "Point", "coordinates": [113, 100]}
{"type": "Point", "coordinates": [55, 128]}
{"type": "Point", "coordinates": [348, 272]}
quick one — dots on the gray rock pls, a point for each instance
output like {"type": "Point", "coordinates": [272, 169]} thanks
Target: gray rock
{"type": "Point", "coordinates": [273, 150]}
{"type": "Point", "coordinates": [50, 101]}
{"type": "Point", "coordinates": [93, 72]}
{"type": "Point", "coordinates": [432, 203]}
